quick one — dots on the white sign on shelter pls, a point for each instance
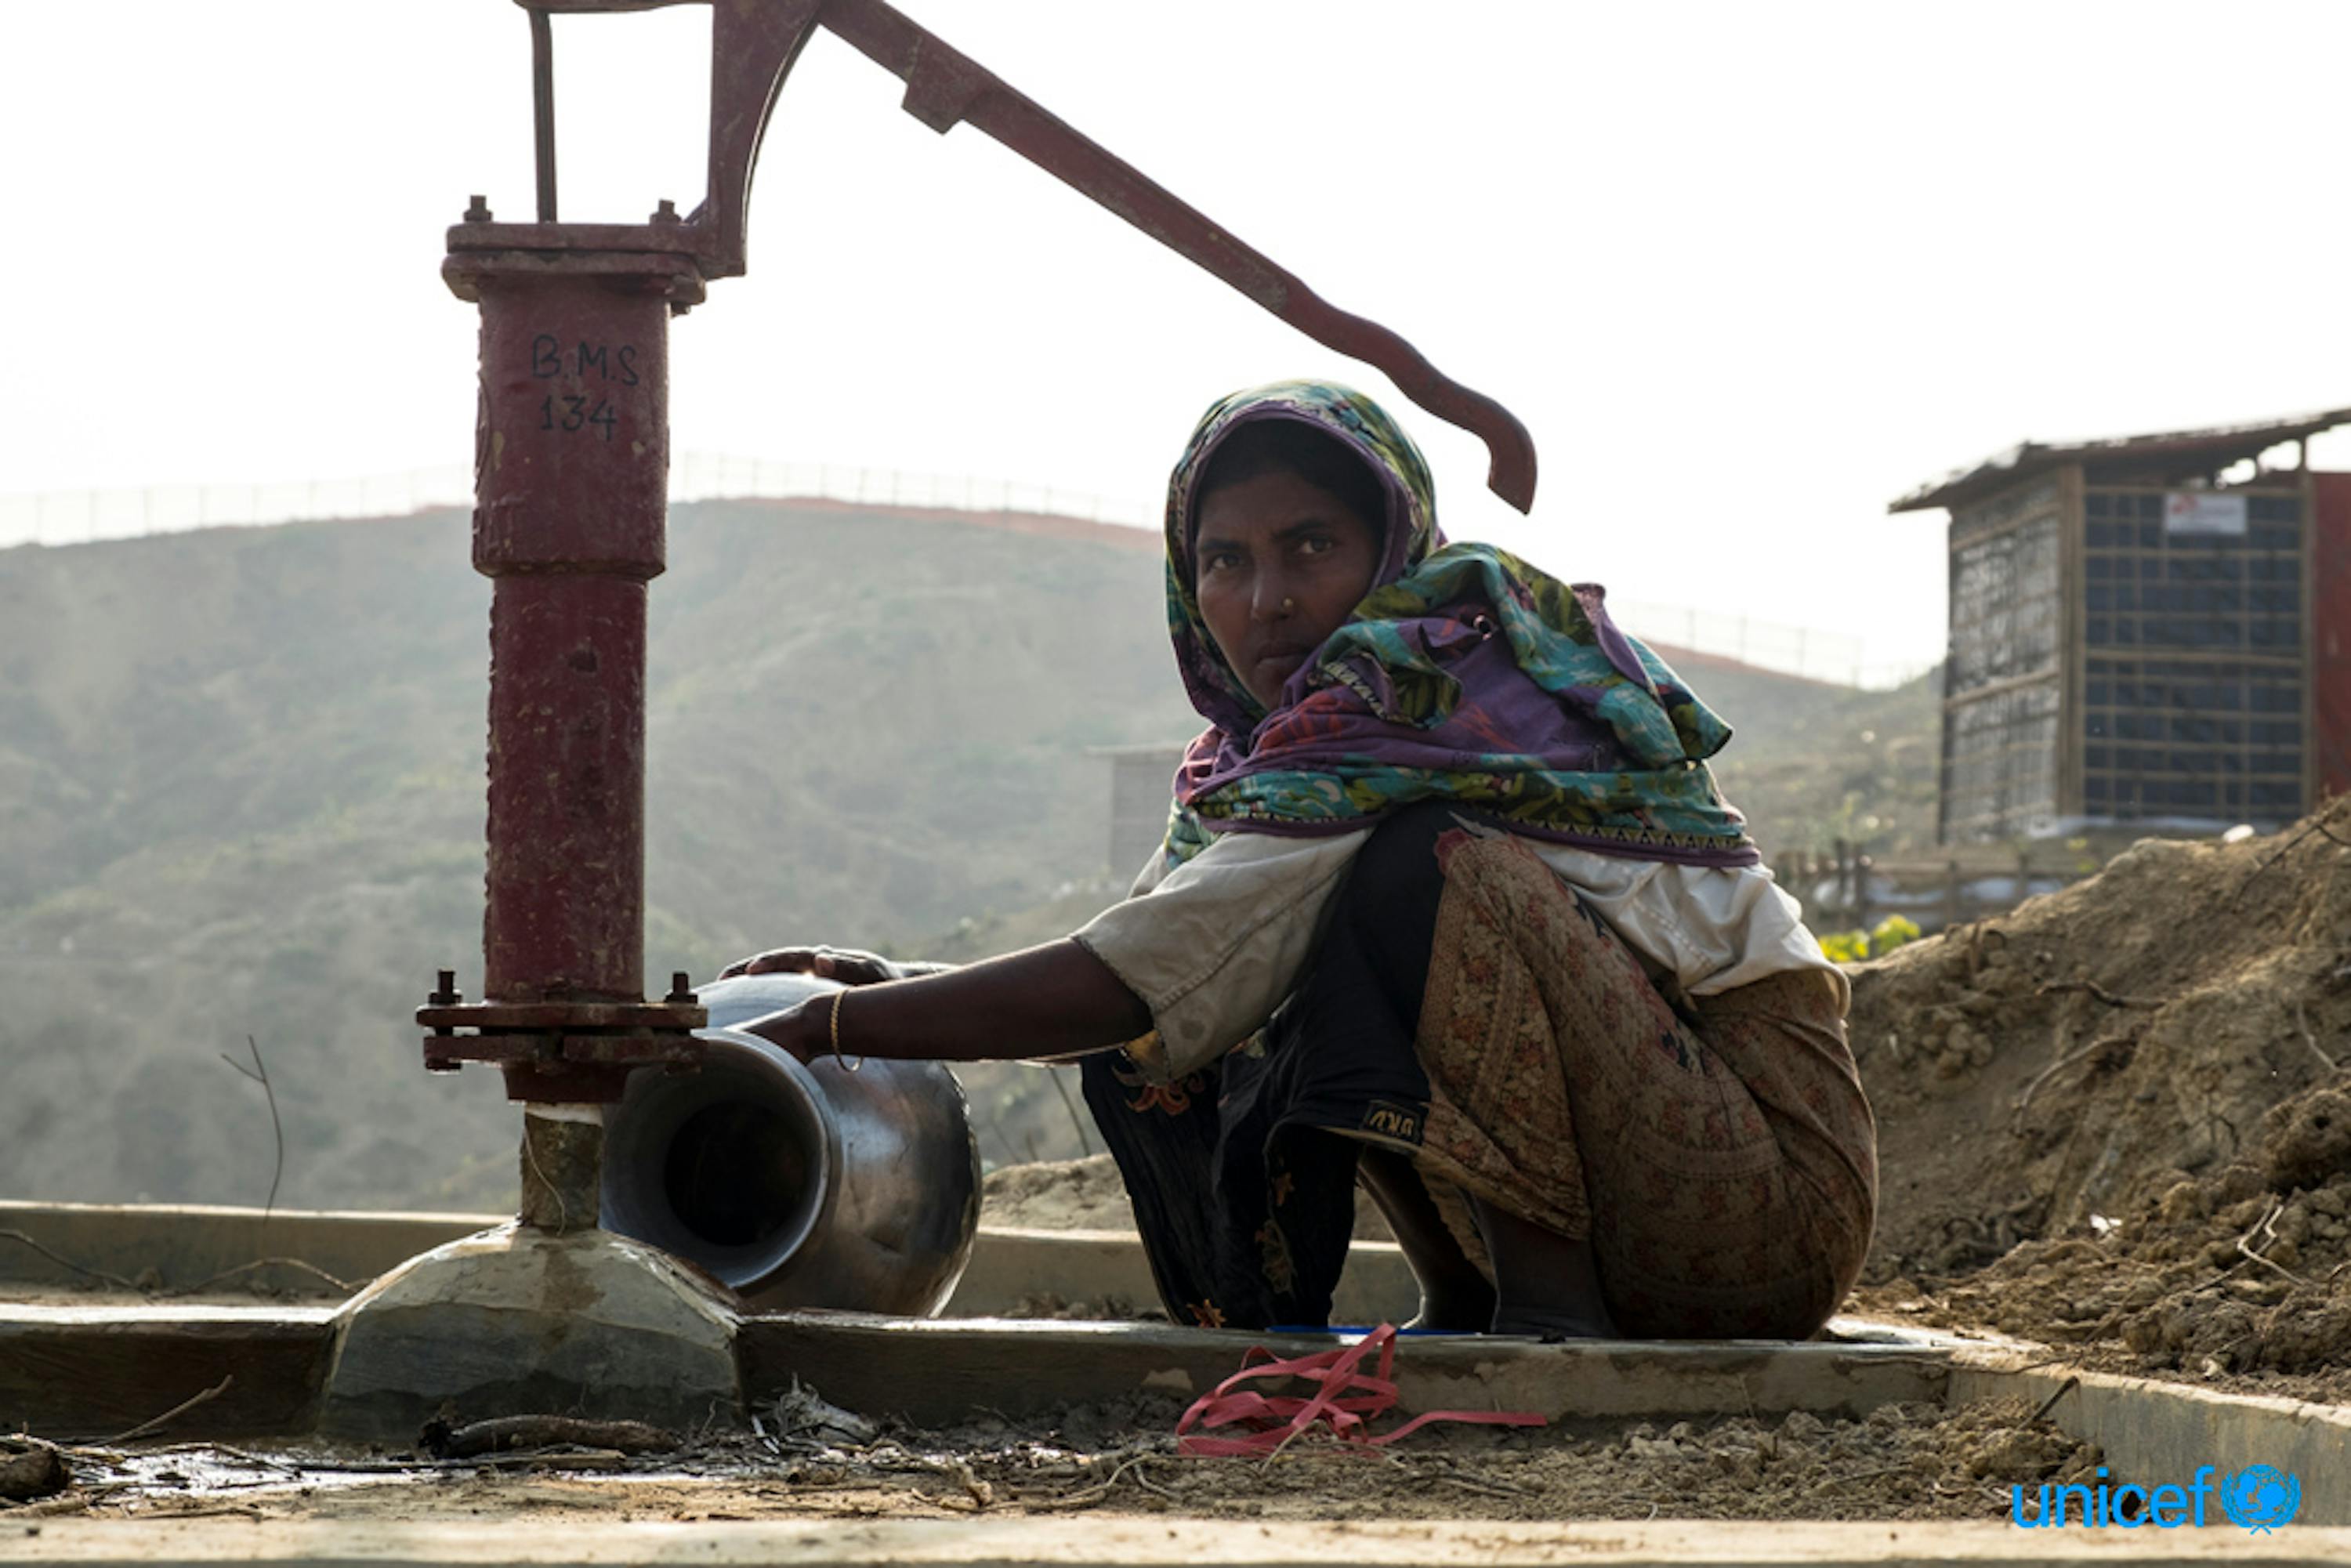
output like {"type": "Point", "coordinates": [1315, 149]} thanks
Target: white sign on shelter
{"type": "Point", "coordinates": [2201, 512]}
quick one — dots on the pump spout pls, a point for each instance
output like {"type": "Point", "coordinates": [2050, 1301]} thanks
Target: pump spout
{"type": "Point", "coordinates": [797, 1185]}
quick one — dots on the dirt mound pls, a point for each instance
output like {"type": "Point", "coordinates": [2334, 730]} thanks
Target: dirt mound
{"type": "Point", "coordinates": [2238, 1273]}
{"type": "Point", "coordinates": [1057, 1194]}
{"type": "Point", "coordinates": [2119, 1115]}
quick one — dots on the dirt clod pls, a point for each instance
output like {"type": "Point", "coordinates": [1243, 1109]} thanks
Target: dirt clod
{"type": "Point", "coordinates": [2308, 1140]}
{"type": "Point", "coordinates": [30, 1468]}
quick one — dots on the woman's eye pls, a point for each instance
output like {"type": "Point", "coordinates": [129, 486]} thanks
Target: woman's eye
{"type": "Point", "coordinates": [1317, 544]}
{"type": "Point", "coordinates": [1221, 560]}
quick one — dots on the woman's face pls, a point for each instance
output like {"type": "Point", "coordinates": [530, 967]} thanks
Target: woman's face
{"type": "Point", "coordinates": [1278, 564]}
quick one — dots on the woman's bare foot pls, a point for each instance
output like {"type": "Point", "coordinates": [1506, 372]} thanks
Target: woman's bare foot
{"type": "Point", "coordinates": [1453, 1312]}
{"type": "Point", "coordinates": [1535, 1323]}
{"type": "Point", "coordinates": [1455, 1298]}
{"type": "Point", "coordinates": [1545, 1284]}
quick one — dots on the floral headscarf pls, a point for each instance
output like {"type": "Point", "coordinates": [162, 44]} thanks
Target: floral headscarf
{"type": "Point", "coordinates": [1465, 674]}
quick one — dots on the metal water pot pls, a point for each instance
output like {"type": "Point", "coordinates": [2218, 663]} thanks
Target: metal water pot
{"type": "Point", "coordinates": [800, 1186]}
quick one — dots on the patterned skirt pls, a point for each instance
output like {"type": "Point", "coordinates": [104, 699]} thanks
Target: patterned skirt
{"type": "Point", "coordinates": [1465, 1009]}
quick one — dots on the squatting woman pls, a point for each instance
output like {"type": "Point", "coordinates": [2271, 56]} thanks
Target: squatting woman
{"type": "Point", "coordinates": [1449, 907]}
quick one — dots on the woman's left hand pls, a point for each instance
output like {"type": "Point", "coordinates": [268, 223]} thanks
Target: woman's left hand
{"type": "Point", "coordinates": [850, 966]}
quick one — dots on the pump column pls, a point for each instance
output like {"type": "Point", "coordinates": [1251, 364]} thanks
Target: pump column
{"type": "Point", "coordinates": [571, 473]}
{"type": "Point", "coordinates": [570, 522]}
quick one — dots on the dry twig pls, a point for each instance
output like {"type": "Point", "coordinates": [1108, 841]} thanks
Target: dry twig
{"type": "Point", "coordinates": [296, 1264]}
{"type": "Point", "coordinates": [1450, 1472]}
{"type": "Point", "coordinates": [1085, 1143]}
{"type": "Point", "coordinates": [2301, 1022]}
{"type": "Point", "coordinates": [555, 1459]}
{"type": "Point", "coordinates": [506, 1434]}
{"type": "Point", "coordinates": [259, 1073]}
{"type": "Point", "coordinates": [982, 1495]}
{"type": "Point", "coordinates": [258, 1461]}
{"type": "Point", "coordinates": [2092, 987]}
{"type": "Point", "coordinates": [240, 1509]}
{"type": "Point", "coordinates": [174, 1413]}
{"type": "Point", "coordinates": [2266, 1228]}
{"type": "Point", "coordinates": [2078, 1053]}
{"type": "Point", "coordinates": [2315, 825]}
{"type": "Point", "coordinates": [133, 1286]}
{"type": "Point", "coordinates": [96, 1455]}
{"type": "Point", "coordinates": [1011, 1155]}
{"type": "Point", "coordinates": [64, 1262]}
{"type": "Point", "coordinates": [1851, 1477]}
{"type": "Point", "coordinates": [72, 1502]}
{"type": "Point", "coordinates": [1087, 1498]}
{"type": "Point", "coordinates": [2071, 1383]}
{"type": "Point", "coordinates": [1143, 1480]}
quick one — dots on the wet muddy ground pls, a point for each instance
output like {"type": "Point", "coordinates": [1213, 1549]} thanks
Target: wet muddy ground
{"type": "Point", "coordinates": [1901, 1462]}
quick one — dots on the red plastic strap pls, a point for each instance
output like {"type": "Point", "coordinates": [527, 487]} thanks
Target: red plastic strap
{"type": "Point", "coordinates": [1345, 1397]}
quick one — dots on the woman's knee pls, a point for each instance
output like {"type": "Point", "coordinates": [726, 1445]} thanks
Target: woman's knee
{"type": "Point", "coordinates": [1382, 922]}
{"type": "Point", "coordinates": [1388, 903]}
{"type": "Point", "coordinates": [1400, 859]}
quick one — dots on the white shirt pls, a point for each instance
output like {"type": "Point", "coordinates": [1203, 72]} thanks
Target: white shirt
{"type": "Point", "coordinates": [1213, 946]}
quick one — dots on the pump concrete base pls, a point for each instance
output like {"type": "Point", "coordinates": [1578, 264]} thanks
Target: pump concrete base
{"type": "Point", "coordinates": [515, 1320]}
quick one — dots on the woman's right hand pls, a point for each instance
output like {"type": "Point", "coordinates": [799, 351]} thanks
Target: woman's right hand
{"type": "Point", "coordinates": [850, 966]}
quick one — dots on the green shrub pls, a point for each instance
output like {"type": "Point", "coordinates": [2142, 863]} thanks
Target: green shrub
{"type": "Point", "coordinates": [1891, 933]}
{"type": "Point", "coordinates": [1846, 947]}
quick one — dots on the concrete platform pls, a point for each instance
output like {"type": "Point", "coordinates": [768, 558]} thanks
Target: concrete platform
{"type": "Point", "coordinates": [179, 1246]}
{"type": "Point", "coordinates": [85, 1371]}
{"type": "Point", "coordinates": [2165, 1430]}
{"type": "Point", "coordinates": [91, 1370]}
{"type": "Point", "coordinates": [941, 1369]}
{"type": "Point", "coordinates": [1152, 1543]}
{"type": "Point", "coordinates": [88, 1369]}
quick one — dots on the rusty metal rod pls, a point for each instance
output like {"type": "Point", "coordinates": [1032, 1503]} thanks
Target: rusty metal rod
{"type": "Point", "coordinates": [754, 45]}
{"type": "Point", "coordinates": [542, 104]}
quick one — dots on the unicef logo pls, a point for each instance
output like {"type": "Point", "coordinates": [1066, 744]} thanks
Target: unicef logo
{"type": "Point", "coordinates": [2261, 1499]}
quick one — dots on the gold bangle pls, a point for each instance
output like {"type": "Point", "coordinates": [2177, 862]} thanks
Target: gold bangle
{"type": "Point", "coordinates": [832, 1018]}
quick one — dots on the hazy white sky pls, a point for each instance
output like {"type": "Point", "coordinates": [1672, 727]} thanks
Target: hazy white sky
{"type": "Point", "coordinates": [1746, 271]}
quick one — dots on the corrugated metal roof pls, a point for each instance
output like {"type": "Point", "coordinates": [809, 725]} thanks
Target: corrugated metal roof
{"type": "Point", "coordinates": [2196, 452]}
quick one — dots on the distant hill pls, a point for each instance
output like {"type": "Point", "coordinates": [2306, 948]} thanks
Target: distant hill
{"type": "Point", "coordinates": [1813, 768]}
{"type": "Point", "coordinates": [241, 793]}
